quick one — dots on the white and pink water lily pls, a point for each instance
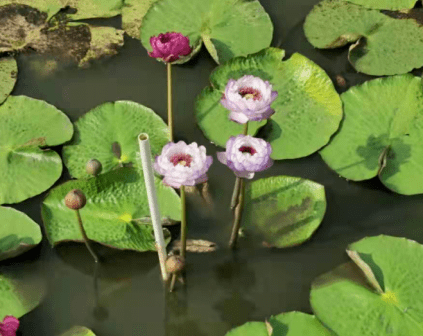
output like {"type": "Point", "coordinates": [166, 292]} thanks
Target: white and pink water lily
{"type": "Point", "coordinates": [246, 155]}
{"type": "Point", "coordinates": [182, 164]}
{"type": "Point", "coordinates": [249, 99]}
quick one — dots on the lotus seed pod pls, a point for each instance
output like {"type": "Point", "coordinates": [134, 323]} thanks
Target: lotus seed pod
{"type": "Point", "coordinates": [75, 199]}
{"type": "Point", "coordinates": [175, 264]}
{"type": "Point", "coordinates": [94, 167]}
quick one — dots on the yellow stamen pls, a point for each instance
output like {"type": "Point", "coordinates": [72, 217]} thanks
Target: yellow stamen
{"type": "Point", "coordinates": [390, 297]}
{"type": "Point", "coordinates": [126, 217]}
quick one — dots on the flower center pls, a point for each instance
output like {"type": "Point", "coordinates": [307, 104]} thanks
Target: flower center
{"type": "Point", "coordinates": [181, 159]}
{"type": "Point", "coordinates": [164, 38]}
{"type": "Point", "coordinates": [248, 149]}
{"type": "Point", "coordinates": [249, 93]}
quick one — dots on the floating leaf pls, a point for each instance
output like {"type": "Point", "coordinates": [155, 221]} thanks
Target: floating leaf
{"type": "Point", "coordinates": [228, 28]}
{"type": "Point", "coordinates": [385, 4]}
{"type": "Point", "coordinates": [89, 9]}
{"type": "Point", "coordinates": [382, 134]}
{"type": "Point", "coordinates": [78, 331]}
{"type": "Point", "coordinates": [297, 324]}
{"type": "Point", "coordinates": [18, 233]}
{"type": "Point", "coordinates": [8, 75]}
{"type": "Point", "coordinates": [26, 124]}
{"type": "Point", "coordinates": [284, 211]}
{"type": "Point", "coordinates": [50, 7]}
{"type": "Point", "coordinates": [388, 43]}
{"type": "Point", "coordinates": [250, 329]}
{"type": "Point", "coordinates": [98, 131]}
{"type": "Point", "coordinates": [132, 14]}
{"type": "Point", "coordinates": [350, 307]}
{"type": "Point", "coordinates": [308, 109]}
{"type": "Point", "coordinates": [115, 202]}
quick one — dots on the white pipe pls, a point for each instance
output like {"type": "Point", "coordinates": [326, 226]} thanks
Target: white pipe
{"type": "Point", "coordinates": [152, 201]}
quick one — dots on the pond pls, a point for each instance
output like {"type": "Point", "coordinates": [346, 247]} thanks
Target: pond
{"type": "Point", "coordinates": [224, 289]}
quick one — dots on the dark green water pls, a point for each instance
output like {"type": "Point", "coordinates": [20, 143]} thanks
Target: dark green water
{"type": "Point", "coordinates": [224, 289]}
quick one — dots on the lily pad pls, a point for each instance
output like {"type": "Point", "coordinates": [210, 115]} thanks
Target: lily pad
{"type": "Point", "coordinates": [228, 28]}
{"type": "Point", "coordinates": [110, 127]}
{"type": "Point", "coordinates": [297, 324]}
{"type": "Point", "coordinates": [382, 134]}
{"type": "Point", "coordinates": [27, 126]}
{"type": "Point", "coordinates": [308, 109]}
{"type": "Point", "coordinates": [115, 202]}
{"type": "Point", "coordinates": [50, 7]}
{"type": "Point", "coordinates": [8, 75]}
{"type": "Point", "coordinates": [385, 4]}
{"type": "Point", "coordinates": [387, 43]}
{"type": "Point", "coordinates": [132, 14]}
{"type": "Point", "coordinates": [89, 9]}
{"type": "Point", "coordinates": [18, 233]}
{"type": "Point", "coordinates": [78, 331]}
{"type": "Point", "coordinates": [250, 329]}
{"type": "Point", "coordinates": [284, 211]}
{"type": "Point", "coordinates": [345, 301]}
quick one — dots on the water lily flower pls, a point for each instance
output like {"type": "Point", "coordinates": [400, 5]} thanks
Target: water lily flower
{"type": "Point", "coordinates": [9, 326]}
{"type": "Point", "coordinates": [183, 164]}
{"type": "Point", "coordinates": [169, 46]}
{"type": "Point", "coordinates": [249, 98]}
{"type": "Point", "coordinates": [246, 155]}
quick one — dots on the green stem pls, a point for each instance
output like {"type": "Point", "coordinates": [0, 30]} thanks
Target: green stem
{"type": "Point", "coordinates": [238, 216]}
{"type": "Point", "coordinates": [245, 131]}
{"type": "Point", "coordinates": [235, 194]}
{"type": "Point", "coordinates": [169, 101]}
{"type": "Point", "coordinates": [183, 224]}
{"type": "Point", "coordinates": [84, 236]}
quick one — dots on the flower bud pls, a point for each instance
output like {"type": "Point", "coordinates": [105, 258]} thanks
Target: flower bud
{"type": "Point", "coordinates": [75, 199]}
{"type": "Point", "coordinates": [175, 264]}
{"type": "Point", "coordinates": [94, 167]}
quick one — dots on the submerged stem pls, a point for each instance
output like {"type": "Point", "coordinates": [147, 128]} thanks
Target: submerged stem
{"type": "Point", "coordinates": [169, 101]}
{"type": "Point", "coordinates": [84, 236]}
{"type": "Point", "coordinates": [238, 215]}
{"type": "Point", "coordinates": [183, 224]}
{"type": "Point", "coordinates": [172, 282]}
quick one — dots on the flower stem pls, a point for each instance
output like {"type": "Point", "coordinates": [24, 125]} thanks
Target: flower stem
{"type": "Point", "coordinates": [183, 224]}
{"type": "Point", "coordinates": [245, 131]}
{"type": "Point", "coordinates": [84, 236]}
{"type": "Point", "coordinates": [235, 195]}
{"type": "Point", "coordinates": [169, 101]}
{"type": "Point", "coordinates": [238, 215]}
{"type": "Point", "coordinates": [172, 282]}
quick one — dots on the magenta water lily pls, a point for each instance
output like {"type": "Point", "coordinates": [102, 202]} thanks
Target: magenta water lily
{"type": "Point", "coordinates": [246, 155]}
{"type": "Point", "coordinates": [170, 46]}
{"type": "Point", "coordinates": [249, 99]}
{"type": "Point", "coordinates": [9, 326]}
{"type": "Point", "coordinates": [182, 164]}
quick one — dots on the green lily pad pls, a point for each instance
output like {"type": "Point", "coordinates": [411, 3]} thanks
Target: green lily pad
{"type": "Point", "coordinates": [250, 329]}
{"type": "Point", "coordinates": [345, 301]}
{"type": "Point", "coordinates": [382, 134]}
{"type": "Point", "coordinates": [27, 126]}
{"type": "Point", "coordinates": [8, 75]}
{"type": "Point", "coordinates": [111, 125]}
{"type": "Point", "coordinates": [284, 211]}
{"type": "Point", "coordinates": [20, 292]}
{"type": "Point", "coordinates": [18, 233]}
{"type": "Point", "coordinates": [297, 324]}
{"type": "Point", "coordinates": [308, 109]}
{"type": "Point", "coordinates": [132, 14]}
{"type": "Point", "coordinates": [78, 331]}
{"type": "Point", "coordinates": [385, 4]}
{"type": "Point", "coordinates": [116, 203]}
{"type": "Point", "coordinates": [89, 9]}
{"type": "Point", "coordinates": [387, 43]}
{"type": "Point", "coordinates": [228, 28]}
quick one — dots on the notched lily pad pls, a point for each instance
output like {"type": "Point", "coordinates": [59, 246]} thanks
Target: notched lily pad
{"type": "Point", "coordinates": [346, 301]}
{"type": "Point", "coordinates": [382, 134]}
{"type": "Point", "coordinates": [78, 331]}
{"type": "Point", "coordinates": [18, 233]}
{"type": "Point", "coordinates": [227, 28]}
{"type": "Point", "coordinates": [102, 130]}
{"type": "Point", "coordinates": [27, 127]}
{"type": "Point", "coordinates": [284, 211]}
{"type": "Point", "coordinates": [297, 324]}
{"type": "Point", "coordinates": [115, 202]}
{"type": "Point", "coordinates": [8, 75]}
{"type": "Point", "coordinates": [386, 42]}
{"type": "Point", "coordinates": [308, 109]}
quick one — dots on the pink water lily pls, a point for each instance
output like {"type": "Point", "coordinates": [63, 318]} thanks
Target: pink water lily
{"type": "Point", "coordinates": [169, 46]}
{"type": "Point", "coordinates": [249, 98]}
{"type": "Point", "coordinates": [9, 326]}
{"type": "Point", "coordinates": [246, 155]}
{"type": "Point", "coordinates": [183, 164]}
